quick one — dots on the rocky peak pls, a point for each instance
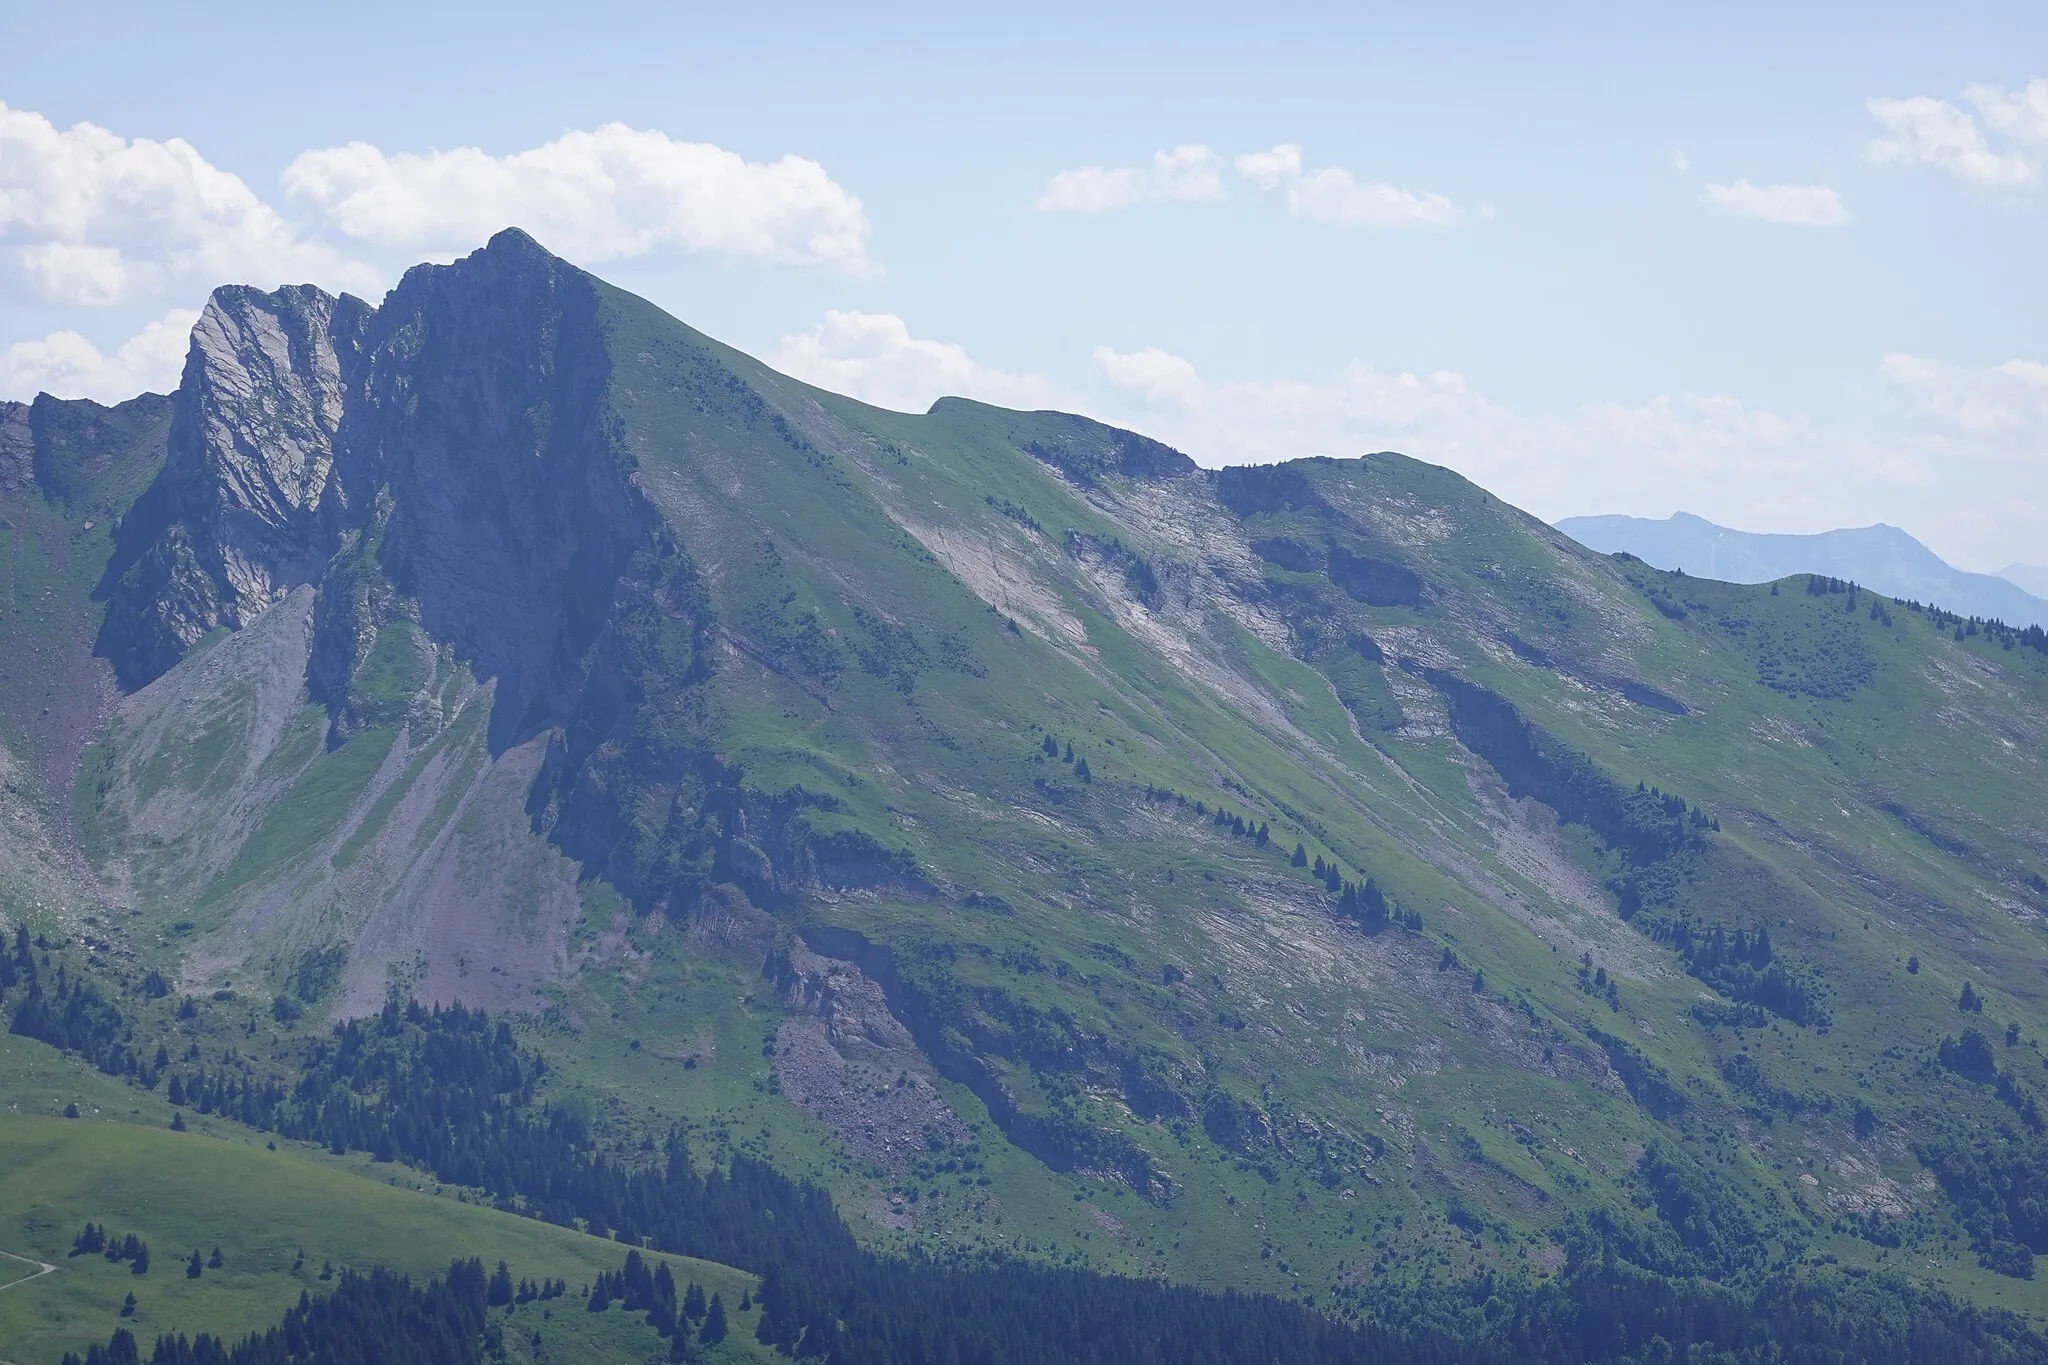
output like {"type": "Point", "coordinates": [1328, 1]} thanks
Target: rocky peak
{"type": "Point", "coordinates": [254, 437]}
{"type": "Point", "coordinates": [459, 429]}
{"type": "Point", "coordinates": [17, 447]}
{"type": "Point", "coordinates": [236, 520]}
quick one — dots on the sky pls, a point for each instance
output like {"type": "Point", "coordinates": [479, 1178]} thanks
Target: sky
{"type": "Point", "coordinates": [1778, 265]}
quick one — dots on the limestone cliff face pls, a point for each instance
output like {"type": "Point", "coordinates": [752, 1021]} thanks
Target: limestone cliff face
{"type": "Point", "coordinates": [262, 399]}
{"type": "Point", "coordinates": [442, 457]}
{"type": "Point", "coordinates": [446, 472]}
{"type": "Point", "coordinates": [242, 512]}
{"type": "Point", "coordinates": [444, 461]}
{"type": "Point", "coordinates": [423, 513]}
{"type": "Point", "coordinates": [17, 447]}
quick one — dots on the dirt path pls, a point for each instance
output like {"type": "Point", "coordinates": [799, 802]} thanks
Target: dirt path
{"type": "Point", "coordinates": [41, 1270]}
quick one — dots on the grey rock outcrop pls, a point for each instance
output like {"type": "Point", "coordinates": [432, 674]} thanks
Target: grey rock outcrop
{"type": "Point", "coordinates": [242, 512]}
{"type": "Point", "coordinates": [17, 447]}
{"type": "Point", "coordinates": [458, 429]}
{"type": "Point", "coordinates": [447, 471]}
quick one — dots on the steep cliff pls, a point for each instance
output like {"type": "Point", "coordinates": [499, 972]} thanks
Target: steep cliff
{"type": "Point", "coordinates": [244, 510]}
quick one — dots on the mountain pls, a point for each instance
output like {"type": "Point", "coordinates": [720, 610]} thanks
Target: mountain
{"type": "Point", "coordinates": [2031, 577]}
{"type": "Point", "coordinates": [1882, 558]}
{"type": "Point", "coordinates": [1319, 880]}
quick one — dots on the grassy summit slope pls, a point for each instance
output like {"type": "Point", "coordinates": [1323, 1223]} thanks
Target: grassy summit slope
{"type": "Point", "coordinates": [913, 800]}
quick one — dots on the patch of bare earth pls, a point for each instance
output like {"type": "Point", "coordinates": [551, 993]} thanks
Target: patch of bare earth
{"type": "Point", "coordinates": [849, 1063]}
{"type": "Point", "coordinates": [1866, 1190]}
{"type": "Point", "coordinates": [1526, 842]}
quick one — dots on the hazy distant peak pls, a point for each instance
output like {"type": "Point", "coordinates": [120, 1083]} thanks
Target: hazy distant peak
{"type": "Point", "coordinates": [1882, 557]}
{"type": "Point", "coordinates": [2032, 577]}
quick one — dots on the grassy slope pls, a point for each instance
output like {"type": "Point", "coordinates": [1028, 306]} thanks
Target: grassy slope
{"type": "Point", "coordinates": [1492, 571]}
{"type": "Point", "coordinates": [180, 1191]}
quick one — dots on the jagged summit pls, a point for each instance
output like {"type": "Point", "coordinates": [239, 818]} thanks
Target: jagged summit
{"type": "Point", "coordinates": [274, 451]}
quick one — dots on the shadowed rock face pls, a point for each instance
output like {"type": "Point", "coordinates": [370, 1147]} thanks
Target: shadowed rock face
{"type": "Point", "coordinates": [480, 409]}
{"type": "Point", "coordinates": [440, 464]}
{"type": "Point", "coordinates": [469, 402]}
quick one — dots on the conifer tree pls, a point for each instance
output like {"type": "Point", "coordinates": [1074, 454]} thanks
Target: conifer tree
{"type": "Point", "coordinates": [661, 1313]}
{"type": "Point", "coordinates": [714, 1322]}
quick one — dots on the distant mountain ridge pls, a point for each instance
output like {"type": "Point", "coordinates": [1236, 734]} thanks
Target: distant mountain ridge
{"type": "Point", "coordinates": [2032, 577]}
{"type": "Point", "coordinates": [1880, 557]}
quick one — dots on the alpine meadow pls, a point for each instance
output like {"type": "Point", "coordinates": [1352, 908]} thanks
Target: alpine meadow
{"type": "Point", "coordinates": [531, 836]}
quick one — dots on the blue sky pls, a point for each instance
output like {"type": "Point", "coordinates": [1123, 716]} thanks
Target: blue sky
{"type": "Point", "coordinates": [1601, 258]}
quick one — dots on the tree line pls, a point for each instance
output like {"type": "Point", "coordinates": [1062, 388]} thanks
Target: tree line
{"type": "Point", "coordinates": [451, 1092]}
{"type": "Point", "coordinates": [371, 1318]}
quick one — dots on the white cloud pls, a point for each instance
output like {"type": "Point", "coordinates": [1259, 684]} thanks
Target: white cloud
{"type": "Point", "coordinates": [1679, 160]}
{"type": "Point", "coordinates": [2018, 114]}
{"type": "Point", "coordinates": [1933, 133]}
{"type": "Point", "coordinates": [1333, 195]}
{"type": "Point", "coordinates": [873, 357]}
{"type": "Point", "coordinates": [1092, 189]}
{"type": "Point", "coordinates": [90, 218]}
{"type": "Point", "coordinates": [1271, 170]}
{"type": "Point", "coordinates": [1186, 173]}
{"type": "Point", "coordinates": [1799, 205]}
{"type": "Point", "coordinates": [67, 365]}
{"type": "Point", "coordinates": [2008, 400]}
{"type": "Point", "coordinates": [615, 193]}
{"type": "Point", "coordinates": [1159, 375]}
